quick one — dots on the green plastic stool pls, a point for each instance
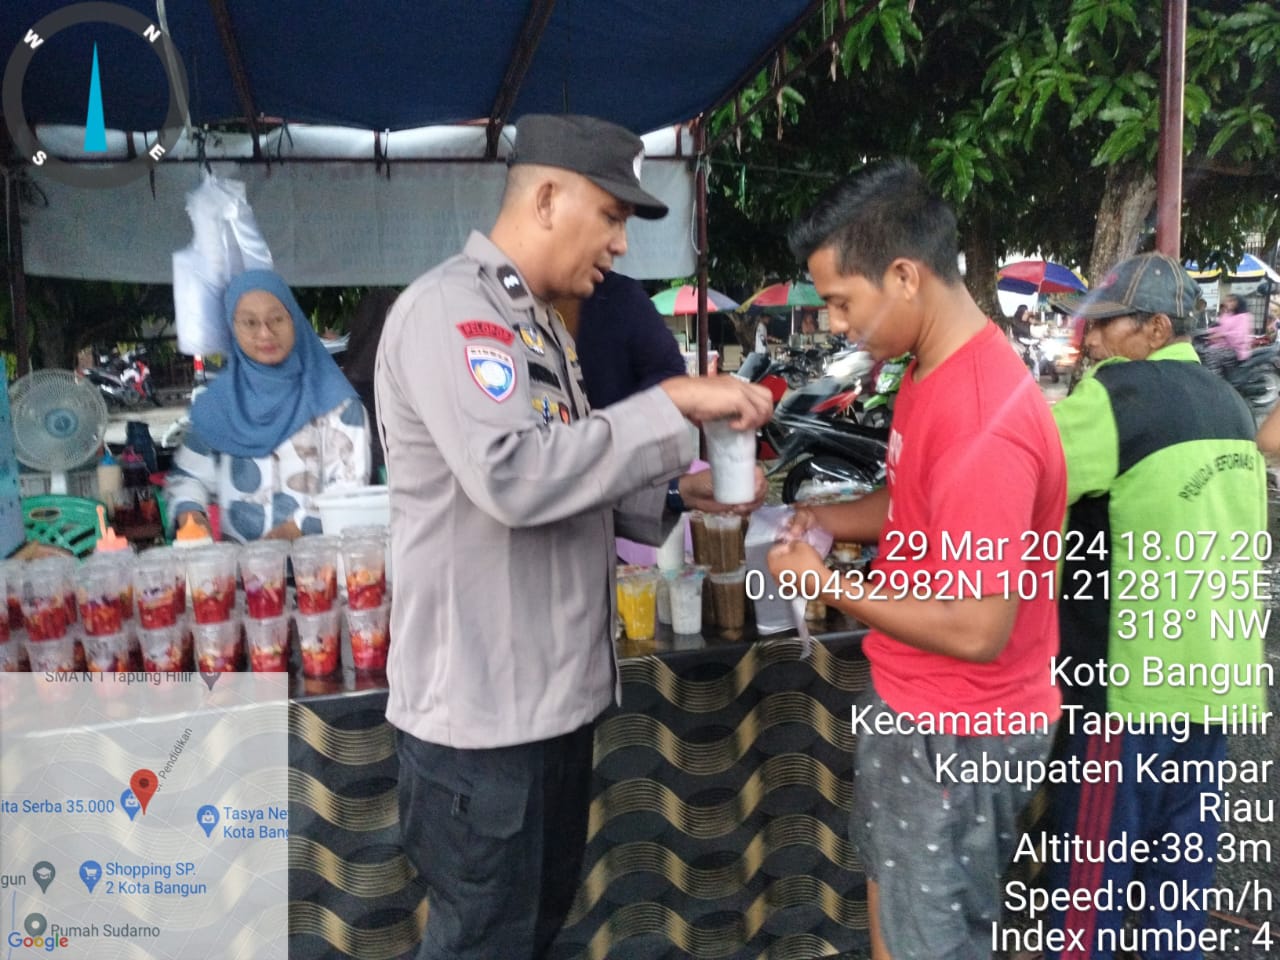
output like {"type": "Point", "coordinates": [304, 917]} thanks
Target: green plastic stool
{"type": "Point", "coordinates": [61, 521]}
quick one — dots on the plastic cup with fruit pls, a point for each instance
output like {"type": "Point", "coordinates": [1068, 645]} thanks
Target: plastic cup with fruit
{"type": "Point", "coordinates": [218, 647]}
{"type": "Point", "coordinates": [318, 638]}
{"type": "Point", "coordinates": [370, 636]}
{"type": "Point", "coordinates": [268, 643]}
{"type": "Point", "coordinates": [161, 648]}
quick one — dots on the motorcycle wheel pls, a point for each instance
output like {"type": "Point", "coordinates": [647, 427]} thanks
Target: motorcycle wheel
{"type": "Point", "coordinates": [803, 471]}
{"type": "Point", "coordinates": [878, 418]}
{"type": "Point", "coordinates": [1270, 391]}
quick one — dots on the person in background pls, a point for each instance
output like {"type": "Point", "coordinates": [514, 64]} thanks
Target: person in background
{"type": "Point", "coordinates": [973, 457]}
{"type": "Point", "coordinates": [278, 426]}
{"type": "Point", "coordinates": [809, 323]}
{"type": "Point", "coordinates": [1231, 337]}
{"type": "Point", "coordinates": [358, 363]}
{"type": "Point", "coordinates": [1157, 450]}
{"type": "Point", "coordinates": [507, 486]}
{"type": "Point", "coordinates": [623, 343]}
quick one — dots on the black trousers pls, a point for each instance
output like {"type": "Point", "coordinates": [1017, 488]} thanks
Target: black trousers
{"type": "Point", "coordinates": [499, 836]}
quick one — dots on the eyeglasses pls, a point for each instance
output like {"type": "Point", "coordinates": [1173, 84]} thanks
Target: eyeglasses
{"type": "Point", "coordinates": [253, 325]}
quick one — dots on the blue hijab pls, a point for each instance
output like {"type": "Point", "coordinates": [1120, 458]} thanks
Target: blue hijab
{"type": "Point", "coordinates": [252, 408]}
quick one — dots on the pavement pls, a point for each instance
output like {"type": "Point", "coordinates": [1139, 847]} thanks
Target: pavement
{"type": "Point", "coordinates": [157, 419]}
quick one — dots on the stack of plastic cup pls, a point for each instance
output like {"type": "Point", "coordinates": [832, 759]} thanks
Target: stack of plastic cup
{"type": "Point", "coordinates": [211, 579]}
{"type": "Point", "coordinates": [318, 638]}
{"type": "Point", "coordinates": [364, 561]}
{"type": "Point", "coordinates": [315, 573]}
{"type": "Point", "coordinates": [262, 570]}
{"type": "Point", "coordinates": [729, 596]}
{"type": "Point", "coordinates": [369, 629]}
{"type": "Point", "coordinates": [51, 644]}
{"type": "Point", "coordinates": [670, 559]}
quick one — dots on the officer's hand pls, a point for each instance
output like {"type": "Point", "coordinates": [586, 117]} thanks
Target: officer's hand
{"type": "Point", "coordinates": [696, 492]}
{"type": "Point", "coordinates": [747, 406]}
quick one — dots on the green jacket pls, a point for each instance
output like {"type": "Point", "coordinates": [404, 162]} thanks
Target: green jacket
{"type": "Point", "coordinates": [1166, 538]}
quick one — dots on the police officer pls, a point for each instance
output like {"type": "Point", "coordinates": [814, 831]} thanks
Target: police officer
{"type": "Point", "coordinates": [505, 491]}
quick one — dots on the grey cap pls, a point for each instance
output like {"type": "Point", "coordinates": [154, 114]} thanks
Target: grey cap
{"type": "Point", "coordinates": [1149, 283]}
{"type": "Point", "coordinates": [606, 154]}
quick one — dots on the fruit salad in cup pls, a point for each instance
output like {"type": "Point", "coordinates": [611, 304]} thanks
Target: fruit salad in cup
{"type": "Point", "coordinates": [213, 599]}
{"type": "Point", "coordinates": [107, 654]}
{"type": "Point", "coordinates": [370, 637]}
{"type": "Point", "coordinates": [318, 635]}
{"type": "Point", "coordinates": [162, 648]}
{"type": "Point", "coordinates": [268, 642]}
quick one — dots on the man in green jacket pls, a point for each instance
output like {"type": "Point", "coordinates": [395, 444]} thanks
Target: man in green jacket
{"type": "Point", "coordinates": [1161, 595]}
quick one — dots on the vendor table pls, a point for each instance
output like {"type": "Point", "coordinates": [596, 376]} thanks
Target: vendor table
{"type": "Point", "coordinates": [718, 820]}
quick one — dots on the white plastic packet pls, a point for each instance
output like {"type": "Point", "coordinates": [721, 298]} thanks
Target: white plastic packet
{"type": "Point", "coordinates": [225, 241]}
{"type": "Point", "coordinates": [766, 529]}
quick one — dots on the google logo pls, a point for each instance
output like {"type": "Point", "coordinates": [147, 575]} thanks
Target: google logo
{"type": "Point", "coordinates": [47, 944]}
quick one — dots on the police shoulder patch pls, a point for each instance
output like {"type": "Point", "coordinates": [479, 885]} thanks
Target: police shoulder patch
{"type": "Point", "coordinates": [486, 330]}
{"type": "Point", "coordinates": [493, 370]}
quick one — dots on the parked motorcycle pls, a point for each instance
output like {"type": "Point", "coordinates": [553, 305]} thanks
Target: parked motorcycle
{"type": "Point", "coordinates": [814, 433]}
{"type": "Point", "coordinates": [1256, 377]}
{"type": "Point", "coordinates": [123, 379]}
{"type": "Point", "coordinates": [1036, 354]}
{"type": "Point", "coordinates": [877, 409]}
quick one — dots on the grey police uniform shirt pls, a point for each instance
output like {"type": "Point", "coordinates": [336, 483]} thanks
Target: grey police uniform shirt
{"type": "Point", "coordinates": [504, 494]}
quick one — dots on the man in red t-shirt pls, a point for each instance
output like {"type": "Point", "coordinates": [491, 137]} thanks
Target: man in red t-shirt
{"type": "Point", "coordinates": [960, 598]}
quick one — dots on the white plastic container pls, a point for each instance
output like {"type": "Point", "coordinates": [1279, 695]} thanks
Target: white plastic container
{"type": "Point", "coordinates": [733, 462]}
{"type": "Point", "coordinates": [357, 507]}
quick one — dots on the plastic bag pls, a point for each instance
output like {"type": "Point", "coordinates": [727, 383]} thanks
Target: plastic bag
{"type": "Point", "coordinates": [225, 241]}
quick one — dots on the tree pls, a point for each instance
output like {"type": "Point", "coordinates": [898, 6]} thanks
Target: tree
{"type": "Point", "coordinates": [1042, 144]}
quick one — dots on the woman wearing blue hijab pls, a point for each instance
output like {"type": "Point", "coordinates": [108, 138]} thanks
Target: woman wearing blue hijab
{"type": "Point", "coordinates": [278, 426]}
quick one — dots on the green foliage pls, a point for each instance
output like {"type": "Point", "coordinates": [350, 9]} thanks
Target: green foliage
{"type": "Point", "coordinates": [1016, 110]}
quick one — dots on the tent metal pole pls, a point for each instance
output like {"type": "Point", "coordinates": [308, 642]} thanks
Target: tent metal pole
{"type": "Point", "coordinates": [1169, 160]}
{"type": "Point", "coordinates": [535, 24]}
{"type": "Point", "coordinates": [239, 75]}
{"type": "Point", "coordinates": [16, 268]}
{"type": "Point", "coordinates": [700, 209]}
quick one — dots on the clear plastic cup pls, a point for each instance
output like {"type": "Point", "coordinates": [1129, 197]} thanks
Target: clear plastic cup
{"type": "Point", "coordinates": [56, 655]}
{"type": "Point", "coordinates": [218, 647]}
{"type": "Point", "coordinates": [365, 562]}
{"type": "Point", "coordinates": [315, 573]}
{"type": "Point", "coordinates": [685, 589]}
{"type": "Point", "coordinates": [211, 574]}
{"type": "Point", "coordinates": [638, 602]}
{"type": "Point", "coordinates": [11, 654]}
{"type": "Point", "coordinates": [44, 608]}
{"type": "Point", "coordinates": [729, 596]}
{"type": "Point", "coordinates": [14, 570]}
{"type": "Point", "coordinates": [725, 552]}
{"type": "Point", "coordinates": [318, 635]}
{"type": "Point", "coordinates": [107, 653]}
{"type": "Point", "coordinates": [70, 567]}
{"type": "Point", "coordinates": [370, 636]}
{"type": "Point", "coordinates": [100, 592]}
{"type": "Point", "coordinates": [156, 591]}
{"type": "Point", "coordinates": [162, 648]}
{"type": "Point", "coordinates": [733, 462]}
{"type": "Point", "coordinates": [268, 643]}
{"type": "Point", "coordinates": [262, 569]}
{"type": "Point", "coordinates": [671, 553]}
{"type": "Point", "coordinates": [664, 598]}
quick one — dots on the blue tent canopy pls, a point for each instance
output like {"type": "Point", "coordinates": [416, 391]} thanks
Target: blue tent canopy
{"type": "Point", "coordinates": [387, 64]}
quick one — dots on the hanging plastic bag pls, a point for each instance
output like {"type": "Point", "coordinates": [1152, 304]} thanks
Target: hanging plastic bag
{"type": "Point", "coordinates": [225, 241]}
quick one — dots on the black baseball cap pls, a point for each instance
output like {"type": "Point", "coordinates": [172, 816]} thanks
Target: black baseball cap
{"type": "Point", "coordinates": [606, 154]}
{"type": "Point", "coordinates": [1149, 283]}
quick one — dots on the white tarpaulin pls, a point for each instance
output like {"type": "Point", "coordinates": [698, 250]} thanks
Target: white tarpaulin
{"type": "Point", "coordinates": [326, 223]}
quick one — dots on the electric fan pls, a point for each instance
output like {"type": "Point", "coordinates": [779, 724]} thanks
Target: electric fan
{"type": "Point", "coordinates": [58, 423]}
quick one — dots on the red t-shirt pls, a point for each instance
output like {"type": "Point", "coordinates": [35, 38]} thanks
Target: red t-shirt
{"type": "Point", "coordinates": [976, 482]}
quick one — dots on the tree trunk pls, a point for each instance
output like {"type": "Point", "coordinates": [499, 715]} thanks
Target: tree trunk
{"type": "Point", "coordinates": [980, 263]}
{"type": "Point", "coordinates": [1128, 197]}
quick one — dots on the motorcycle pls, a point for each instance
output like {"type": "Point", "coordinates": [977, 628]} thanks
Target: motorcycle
{"type": "Point", "coordinates": [1036, 355]}
{"type": "Point", "coordinates": [124, 380]}
{"type": "Point", "coordinates": [814, 433]}
{"type": "Point", "coordinates": [877, 409]}
{"type": "Point", "coordinates": [1256, 377]}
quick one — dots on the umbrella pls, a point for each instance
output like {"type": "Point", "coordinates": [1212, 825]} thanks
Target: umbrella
{"type": "Point", "coordinates": [1038, 276]}
{"type": "Point", "coordinates": [785, 295]}
{"type": "Point", "coordinates": [1249, 268]}
{"type": "Point", "coordinates": [679, 301]}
